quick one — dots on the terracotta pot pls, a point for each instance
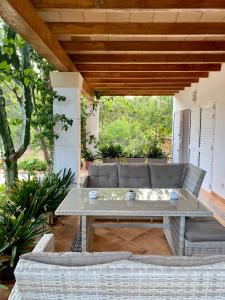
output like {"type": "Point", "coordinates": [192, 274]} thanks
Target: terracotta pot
{"type": "Point", "coordinates": [110, 160]}
{"type": "Point", "coordinates": [157, 160]}
{"type": "Point", "coordinates": [87, 163]}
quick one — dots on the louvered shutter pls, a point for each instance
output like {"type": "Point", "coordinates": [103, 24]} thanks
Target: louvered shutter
{"type": "Point", "coordinates": [206, 143]}
{"type": "Point", "coordinates": [194, 136]}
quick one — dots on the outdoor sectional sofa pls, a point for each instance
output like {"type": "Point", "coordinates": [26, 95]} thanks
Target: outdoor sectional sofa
{"type": "Point", "coordinates": [202, 236]}
{"type": "Point", "coordinates": [43, 274]}
{"type": "Point", "coordinates": [141, 175]}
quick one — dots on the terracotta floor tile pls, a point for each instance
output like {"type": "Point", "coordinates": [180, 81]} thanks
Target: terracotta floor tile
{"type": "Point", "coordinates": [102, 231]}
{"type": "Point", "coordinates": [153, 242]}
{"type": "Point", "coordinates": [106, 243]}
{"type": "Point", "coordinates": [127, 233]}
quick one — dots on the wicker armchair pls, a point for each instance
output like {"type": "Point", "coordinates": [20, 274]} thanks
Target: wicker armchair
{"type": "Point", "coordinates": [136, 277]}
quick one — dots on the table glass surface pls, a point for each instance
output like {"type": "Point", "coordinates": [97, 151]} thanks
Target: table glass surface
{"type": "Point", "coordinates": [148, 202]}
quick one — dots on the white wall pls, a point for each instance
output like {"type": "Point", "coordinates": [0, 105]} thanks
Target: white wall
{"type": "Point", "coordinates": [210, 90]}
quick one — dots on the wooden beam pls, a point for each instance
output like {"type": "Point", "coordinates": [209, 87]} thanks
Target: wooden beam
{"type": "Point", "coordinates": [21, 16]}
{"type": "Point", "coordinates": [161, 88]}
{"type": "Point", "coordinates": [148, 58]}
{"type": "Point", "coordinates": [128, 4]}
{"type": "Point", "coordinates": [145, 75]}
{"type": "Point", "coordinates": [148, 29]}
{"type": "Point", "coordinates": [137, 93]}
{"type": "Point", "coordinates": [159, 46]}
{"type": "Point", "coordinates": [138, 81]}
{"type": "Point", "coordinates": [104, 86]}
{"type": "Point", "coordinates": [147, 67]}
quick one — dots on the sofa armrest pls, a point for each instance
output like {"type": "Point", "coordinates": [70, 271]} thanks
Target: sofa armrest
{"type": "Point", "coordinates": [84, 182]}
{"type": "Point", "coordinates": [45, 244]}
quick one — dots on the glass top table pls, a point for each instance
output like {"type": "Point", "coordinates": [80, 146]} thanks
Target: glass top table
{"type": "Point", "coordinates": [113, 202]}
{"type": "Point", "coordinates": [148, 202]}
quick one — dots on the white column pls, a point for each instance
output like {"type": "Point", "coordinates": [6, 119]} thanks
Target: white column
{"type": "Point", "coordinates": [67, 146]}
{"type": "Point", "coordinates": [92, 126]}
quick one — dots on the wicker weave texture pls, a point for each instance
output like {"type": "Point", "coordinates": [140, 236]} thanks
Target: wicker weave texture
{"type": "Point", "coordinates": [121, 280]}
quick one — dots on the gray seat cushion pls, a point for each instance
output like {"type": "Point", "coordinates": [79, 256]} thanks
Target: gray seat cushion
{"type": "Point", "coordinates": [204, 231]}
{"type": "Point", "coordinates": [167, 175]}
{"type": "Point", "coordinates": [75, 259]}
{"type": "Point", "coordinates": [193, 179]}
{"type": "Point", "coordinates": [134, 175]}
{"type": "Point", "coordinates": [103, 176]}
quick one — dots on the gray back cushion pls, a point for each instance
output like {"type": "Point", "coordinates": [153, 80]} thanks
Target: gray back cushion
{"type": "Point", "coordinates": [193, 179]}
{"type": "Point", "coordinates": [178, 261]}
{"type": "Point", "coordinates": [135, 175]}
{"type": "Point", "coordinates": [75, 259]}
{"type": "Point", "coordinates": [103, 176]}
{"type": "Point", "coordinates": [167, 175]}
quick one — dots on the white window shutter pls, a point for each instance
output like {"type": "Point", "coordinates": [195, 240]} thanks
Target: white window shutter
{"type": "Point", "coordinates": [194, 136]}
{"type": "Point", "coordinates": [206, 143]}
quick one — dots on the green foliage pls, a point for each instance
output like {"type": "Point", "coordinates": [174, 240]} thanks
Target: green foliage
{"type": "Point", "coordinates": [135, 122]}
{"type": "Point", "coordinates": [111, 151]}
{"type": "Point", "coordinates": [43, 118]}
{"type": "Point", "coordinates": [32, 165]}
{"type": "Point", "coordinates": [26, 102]}
{"type": "Point", "coordinates": [86, 137]}
{"type": "Point", "coordinates": [38, 196]}
{"type": "Point", "coordinates": [88, 155]}
{"type": "Point", "coordinates": [15, 87]}
{"type": "Point", "coordinates": [155, 151]}
{"type": "Point", "coordinates": [17, 234]}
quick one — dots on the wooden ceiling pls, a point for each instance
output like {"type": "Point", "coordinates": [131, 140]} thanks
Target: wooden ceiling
{"type": "Point", "coordinates": [125, 47]}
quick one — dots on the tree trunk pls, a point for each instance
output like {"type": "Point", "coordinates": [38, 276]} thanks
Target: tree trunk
{"type": "Point", "coordinates": [11, 172]}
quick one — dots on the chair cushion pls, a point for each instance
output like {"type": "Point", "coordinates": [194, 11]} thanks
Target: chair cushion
{"type": "Point", "coordinates": [75, 259]}
{"type": "Point", "coordinates": [103, 176]}
{"type": "Point", "coordinates": [167, 175]}
{"type": "Point", "coordinates": [204, 231]}
{"type": "Point", "coordinates": [193, 179]}
{"type": "Point", "coordinates": [135, 175]}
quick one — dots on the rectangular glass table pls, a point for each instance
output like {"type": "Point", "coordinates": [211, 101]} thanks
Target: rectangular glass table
{"type": "Point", "coordinates": [114, 202]}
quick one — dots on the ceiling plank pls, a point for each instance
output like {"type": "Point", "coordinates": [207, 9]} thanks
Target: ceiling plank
{"type": "Point", "coordinates": [137, 81]}
{"type": "Point", "coordinates": [147, 67]}
{"type": "Point", "coordinates": [128, 4]}
{"type": "Point", "coordinates": [166, 75]}
{"type": "Point", "coordinates": [24, 19]}
{"type": "Point", "coordinates": [148, 58]}
{"type": "Point", "coordinates": [159, 46]}
{"type": "Point", "coordinates": [148, 29]}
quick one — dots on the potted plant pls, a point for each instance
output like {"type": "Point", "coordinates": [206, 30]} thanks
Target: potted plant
{"type": "Point", "coordinates": [155, 154]}
{"type": "Point", "coordinates": [88, 157]}
{"type": "Point", "coordinates": [110, 153]}
{"type": "Point", "coordinates": [17, 236]}
{"type": "Point", "coordinates": [135, 157]}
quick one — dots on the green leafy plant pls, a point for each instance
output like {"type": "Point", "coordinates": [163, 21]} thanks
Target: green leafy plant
{"type": "Point", "coordinates": [111, 151]}
{"type": "Point", "coordinates": [87, 155]}
{"type": "Point", "coordinates": [38, 196]}
{"type": "Point", "coordinates": [155, 151]}
{"type": "Point", "coordinates": [17, 234]}
{"type": "Point", "coordinates": [32, 165]}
